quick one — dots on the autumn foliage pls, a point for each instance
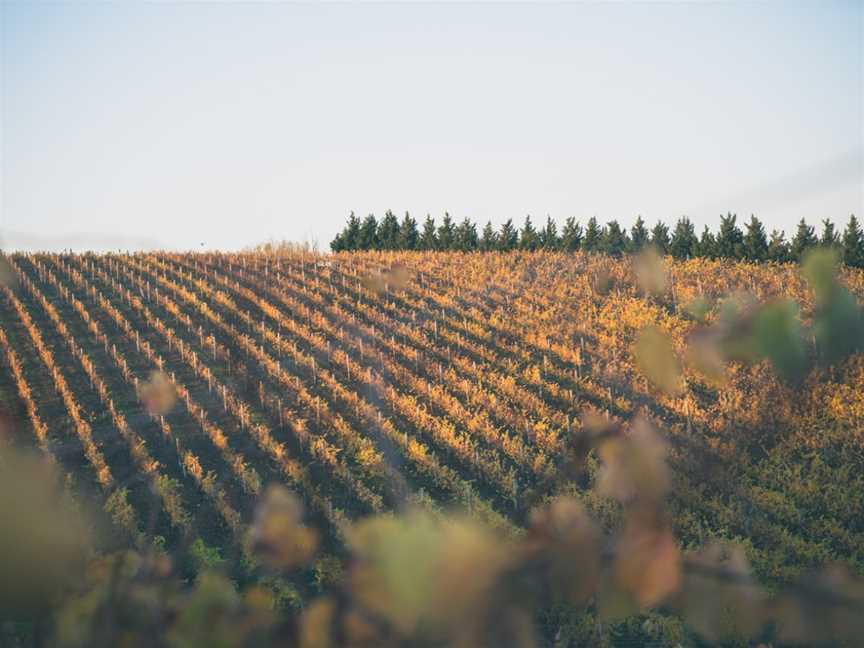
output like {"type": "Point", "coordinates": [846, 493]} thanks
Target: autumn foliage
{"type": "Point", "coordinates": [405, 448]}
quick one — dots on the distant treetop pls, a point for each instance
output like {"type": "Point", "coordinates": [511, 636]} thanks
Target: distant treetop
{"type": "Point", "coordinates": [729, 242]}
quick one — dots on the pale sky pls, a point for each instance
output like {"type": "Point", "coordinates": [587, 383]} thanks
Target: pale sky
{"type": "Point", "coordinates": [133, 125]}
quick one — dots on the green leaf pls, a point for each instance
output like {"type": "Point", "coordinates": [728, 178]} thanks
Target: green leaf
{"type": "Point", "coordinates": [779, 338]}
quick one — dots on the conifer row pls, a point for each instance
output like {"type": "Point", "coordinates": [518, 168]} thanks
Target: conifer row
{"type": "Point", "coordinates": [752, 243]}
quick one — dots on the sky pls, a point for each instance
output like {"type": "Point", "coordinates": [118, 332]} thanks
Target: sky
{"type": "Point", "coordinates": [221, 125]}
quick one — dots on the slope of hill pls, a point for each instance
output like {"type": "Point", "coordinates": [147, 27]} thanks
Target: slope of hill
{"type": "Point", "coordinates": [172, 388]}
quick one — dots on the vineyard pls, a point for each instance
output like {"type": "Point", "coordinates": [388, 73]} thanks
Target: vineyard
{"type": "Point", "coordinates": [170, 390]}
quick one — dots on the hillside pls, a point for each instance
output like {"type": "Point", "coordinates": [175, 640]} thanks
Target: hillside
{"type": "Point", "coordinates": [173, 388]}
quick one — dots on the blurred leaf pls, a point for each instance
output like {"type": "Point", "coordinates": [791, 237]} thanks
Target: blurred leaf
{"type": "Point", "coordinates": [563, 532]}
{"type": "Point", "coordinates": [508, 627]}
{"type": "Point", "coordinates": [395, 278]}
{"type": "Point", "coordinates": [393, 573]}
{"type": "Point", "coordinates": [698, 309]}
{"type": "Point", "coordinates": [470, 560]}
{"type": "Point", "coordinates": [705, 356]}
{"type": "Point", "coordinates": [278, 534]}
{"type": "Point", "coordinates": [106, 589]}
{"type": "Point", "coordinates": [656, 359]}
{"type": "Point", "coordinates": [7, 274]}
{"type": "Point", "coordinates": [316, 624]}
{"type": "Point", "coordinates": [601, 281]}
{"type": "Point", "coordinates": [828, 607]}
{"type": "Point", "coordinates": [718, 598]}
{"type": "Point", "coordinates": [839, 326]}
{"type": "Point", "coordinates": [43, 541]}
{"type": "Point", "coordinates": [415, 567]}
{"type": "Point", "coordinates": [613, 602]}
{"type": "Point", "coordinates": [819, 267]}
{"type": "Point", "coordinates": [215, 615]}
{"type": "Point", "coordinates": [634, 466]}
{"type": "Point", "coordinates": [650, 271]}
{"type": "Point", "coordinates": [157, 393]}
{"type": "Point", "coordinates": [8, 425]}
{"type": "Point", "coordinates": [398, 277]}
{"type": "Point", "coordinates": [734, 327]}
{"type": "Point", "coordinates": [648, 562]}
{"type": "Point", "coordinates": [594, 429]}
{"type": "Point", "coordinates": [839, 319]}
{"type": "Point", "coordinates": [779, 338]}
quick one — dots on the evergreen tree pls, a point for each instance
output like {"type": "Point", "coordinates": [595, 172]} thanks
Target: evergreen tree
{"type": "Point", "coordinates": [730, 238]}
{"type": "Point", "coordinates": [684, 241]}
{"type": "Point", "coordinates": [446, 234]}
{"type": "Point", "coordinates": [367, 237]}
{"type": "Point", "coordinates": [388, 232]}
{"type": "Point", "coordinates": [571, 235]}
{"type": "Point", "coordinates": [429, 237]}
{"type": "Point", "coordinates": [853, 244]}
{"type": "Point", "coordinates": [338, 242]}
{"type": "Point", "coordinates": [730, 242]}
{"type": "Point", "coordinates": [528, 239]}
{"type": "Point", "coordinates": [347, 238]}
{"type": "Point", "coordinates": [508, 239]}
{"type": "Point", "coordinates": [351, 235]}
{"type": "Point", "coordinates": [755, 240]}
{"type": "Point", "coordinates": [614, 239]}
{"type": "Point", "coordinates": [805, 238]}
{"type": "Point", "coordinates": [639, 236]}
{"type": "Point", "coordinates": [466, 236]}
{"type": "Point", "coordinates": [778, 248]}
{"type": "Point", "coordinates": [707, 247]}
{"type": "Point", "coordinates": [549, 235]}
{"type": "Point", "coordinates": [489, 239]}
{"type": "Point", "coordinates": [830, 237]}
{"type": "Point", "coordinates": [408, 235]}
{"type": "Point", "coordinates": [593, 239]}
{"type": "Point", "coordinates": [660, 237]}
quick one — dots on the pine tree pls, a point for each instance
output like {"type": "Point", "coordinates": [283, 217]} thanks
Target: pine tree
{"type": "Point", "coordinates": [549, 235]}
{"type": "Point", "coordinates": [466, 236]}
{"type": "Point", "coordinates": [346, 239]}
{"type": "Point", "coordinates": [830, 238]}
{"type": "Point", "coordinates": [593, 239]}
{"type": "Point", "coordinates": [351, 235]}
{"type": "Point", "coordinates": [367, 238]}
{"type": "Point", "coordinates": [755, 240]}
{"type": "Point", "coordinates": [429, 237]}
{"type": "Point", "coordinates": [489, 239]}
{"type": "Point", "coordinates": [615, 241]}
{"type": "Point", "coordinates": [805, 238]}
{"type": "Point", "coordinates": [408, 236]}
{"type": "Point", "coordinates": [508, 239]}
{"type": "Point", "coordinates": [388, 232]}
{"type": "Point", "coordinates": [528, 239]}
{"type": "Point", "coordinates": [853, 244]}
{"type": "Point", "coordinates": [571, 235]}
{"type": "Point", "coordinates": [338, 242]}
{"type": "Point", "coordinates": [778, 248]}
{"type": "Point", "coordinates": [707, 247]}
{"type": "Point", "coordinates": [446, 233]}
{"type": "Point", "coordinates": [660, 237]}
{"type": "Point", "coordinates": [730, 238]}
{"type": "Point", "coordinates": [639, 236]}
{"type": "Point", "coordinates": [684, 241]}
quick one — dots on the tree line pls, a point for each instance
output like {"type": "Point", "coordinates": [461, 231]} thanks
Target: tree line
{"type": "Point", "coordinates": [752, 243]}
